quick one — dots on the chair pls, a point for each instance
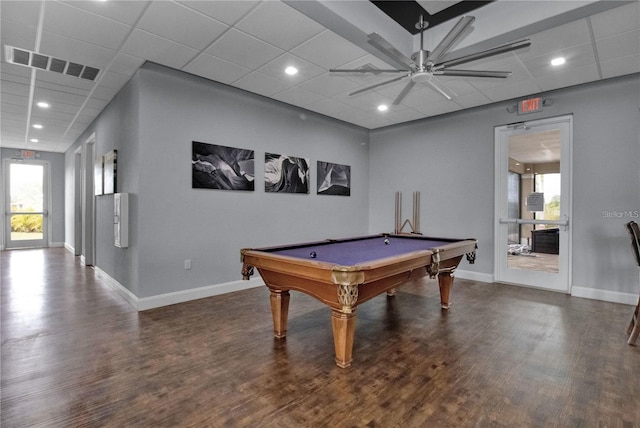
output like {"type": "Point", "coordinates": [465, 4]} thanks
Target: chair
{"type": "Point", "coordinates": [634, 327]}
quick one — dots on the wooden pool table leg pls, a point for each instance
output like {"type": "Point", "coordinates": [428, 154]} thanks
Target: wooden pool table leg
{"type": "Point", "coordinates": [445, 280]}
{"type": "Point", "coordinates": [280, 312]}
{"type": "Point", "coordinates": [344, 328]}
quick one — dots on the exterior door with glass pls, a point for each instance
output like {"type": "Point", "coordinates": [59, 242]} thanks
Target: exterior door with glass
{"type": "Point", "coordinates": [533, 202]}
{"type": "Point", "coordinates": [26, 204]}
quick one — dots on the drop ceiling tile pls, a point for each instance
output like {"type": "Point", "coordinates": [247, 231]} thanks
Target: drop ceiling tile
{"type": "Point", "coordinates": [564, 36]}
{"type": "Point", "coordinates": [576, 56]}
{"type": "Point", "coordinates": [617, 20]}
{"type": "Point", "coordinates": [511, 90]}
{"type": "Point", "coordinates": [276, 68]}
{"type": "Point", "coordinates": [403, 115]}
{"type": "Point", "coordinates": [187, 27]}
{"type": "Point", "coordinates": [127, 12]}
{"type": "Point", "coordinates": [261, 84]}
{"type": "Point", "coordinates": [471, 100]}
{"type": "Point", "coordinates": [15, 88]}
{"type": "Point", "coordinates": [243, 49]}
{"type": "Point", "coordinates": [56, 96]}
{"type": "Point", "coordinates": [126, 64]}
{"type": "Point", "coordinates": [17, 34]}
{"type": "Point", "coordinates": [437, 107]}
{"type": "Point", "coordinates": [329, 85]}
{"type": "Point", "coordinates": [279, 24]}
{"type": "Point", "coordinates": [518, 74]}
{"type": "Point", "coordinates": [21, 100]}
{"type": "Point", "coordinates": [154, 48]}
{"type": "Point", "coordinates": [328, 50]}
{"type": "Point", "coordinates": [103, 93]}
{"type": "Point", "coordinates": [70, 49]}
{"type": "Point", "coordinates": [457, 85]}
{"type": "Point", "coordinates": [330, 107]}
{"type": "Point", "coordinates": [70, 21]}
{"type": "Point", "coordinates": [367, 101]}
{"type": "Point", "coordinates": [16, 74]}
{"type": "Point", "coordinates": [62, 83]}
{"type": "Point", "coordinates": [621, 45]}
{"type": "Point", "coordinates": [298, 96]}
{"type": "Point", "coordinates": [217, 69]}
{"type": "Point", "coordinates": [113, 80]}
{"type": "Point", "coordinates": [620, 66]}
{"type": "Point", "coordinates": [21, 12]}
{"type": "Point", "coordinates": [227, 11]}
{"type": "Point", "coordinates": [574, 76]}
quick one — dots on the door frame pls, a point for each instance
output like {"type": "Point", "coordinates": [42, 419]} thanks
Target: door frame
{"type": "Point", "coordinates": [46, 196]}
{"type": "Point", "coordinates": [523, 277]}
{"type": "Point", "coordinates": [88, 252]}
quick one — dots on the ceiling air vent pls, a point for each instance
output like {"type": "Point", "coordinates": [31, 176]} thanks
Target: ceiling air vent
{"type": "Point", "coordinates": [43, 62]}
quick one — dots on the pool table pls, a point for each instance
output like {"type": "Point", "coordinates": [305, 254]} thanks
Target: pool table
{"type": "Point", "coordinates": [344, 273]}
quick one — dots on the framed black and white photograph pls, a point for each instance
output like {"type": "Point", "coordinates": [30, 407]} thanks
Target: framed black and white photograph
{"type": "Point", "coordinates": [285, 174]}
{"type": "Point", "coordinates": [110, 178]}
{"type": "Point", "coordinates": [334, 179]}
{"type": "Point", "coordinates": [222, 167]}
{"type": "Point", "coordinates": [98, 175]}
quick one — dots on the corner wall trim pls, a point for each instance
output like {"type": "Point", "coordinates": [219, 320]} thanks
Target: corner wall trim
{"type": "Point", "coordinates": [604, 295]}
{"type": "Point", "coordinates": [145, 303]}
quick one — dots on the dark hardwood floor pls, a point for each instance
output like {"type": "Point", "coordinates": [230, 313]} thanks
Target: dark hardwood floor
{"type": "Point", "coordinates": [75, 354]}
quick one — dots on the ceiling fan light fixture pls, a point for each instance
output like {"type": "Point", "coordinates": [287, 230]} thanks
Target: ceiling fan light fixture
{"type": "Point", "coordinates": [421, 76]}
{"type": "Point", "coordinates": [558, 61]}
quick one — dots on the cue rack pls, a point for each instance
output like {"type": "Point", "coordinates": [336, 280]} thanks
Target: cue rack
{"type": "Point", "coordinates": [415, 226]}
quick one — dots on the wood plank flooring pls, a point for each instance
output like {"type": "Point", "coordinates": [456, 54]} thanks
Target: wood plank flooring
{"type": "Point", "coordinates": [74, 354]}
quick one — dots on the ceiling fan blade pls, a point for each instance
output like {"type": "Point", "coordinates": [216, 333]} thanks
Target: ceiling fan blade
{"type": "Point", "coordinates": [440, 89]}
{"type": "Point", "coordinates": [368, 88]}
{"type": "Point", "coordinates": [450, 39]}
{"type": "Point", "coordinates": [365, 70]}
{"type": "Point", "coordinates": [404, 93]}
{"type": "Point", "coordinates": [473, 73]}
{"type": "Point", "coordinates": [489, 52]}
{"type": "Point", "coordinates": [380, 43]}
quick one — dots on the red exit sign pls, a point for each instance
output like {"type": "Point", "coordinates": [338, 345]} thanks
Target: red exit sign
{"type": "Point", "coordinates": [28, 154]}
{"type": "Point", "coordinates": [530, 105]}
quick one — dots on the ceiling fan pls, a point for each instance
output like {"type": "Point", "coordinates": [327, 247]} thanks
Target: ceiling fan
{"type": "Point", "coordinates": [424, 65]}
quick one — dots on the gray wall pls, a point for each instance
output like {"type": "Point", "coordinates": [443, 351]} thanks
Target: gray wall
{"type": "Point", "coordinates": [57, 206]}
{"type": "Point", "coordinates": [450, 160]}
{"type": "Point", "coordinates": [152, 124]}
{"type": "Point", "coordinates": [116, 128]}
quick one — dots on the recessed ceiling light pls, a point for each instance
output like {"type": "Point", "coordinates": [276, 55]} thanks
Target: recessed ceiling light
{"type": "Point", "coordinates": [291, 70]}
{"type": "Point", "coordinates": [383, 107]}
{"type": "Point", "coordinates": [43, 104]}
{"type": "Point", "coordinates": [558, 61]}
{"type": "Point", "coordinates": [37, 126]}
{"type": "Point", "coordinates": [34, 140]}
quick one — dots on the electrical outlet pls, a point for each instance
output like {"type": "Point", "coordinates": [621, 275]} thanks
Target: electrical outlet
{"type": "Point", "coordinates": [187, 264]}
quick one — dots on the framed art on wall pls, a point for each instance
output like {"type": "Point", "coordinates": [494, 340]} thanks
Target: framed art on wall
{"type": "Point", "coordinates": [334, 179]}
{"type": "Point", "coordinates": [285, 174]}
{"type": "Point", "coordinates": [110, 162]}
{"type": "Point", "coordinates": [221, 167]}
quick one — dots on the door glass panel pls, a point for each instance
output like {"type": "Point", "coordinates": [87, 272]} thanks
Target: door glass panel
{"type": "Point", "coordinates": [26, 202]}
{"type": "Point", "coordinates": [534, 158]}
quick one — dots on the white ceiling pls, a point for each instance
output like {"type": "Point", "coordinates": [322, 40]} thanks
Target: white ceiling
{"type": "Point", "coordinates": [247, 44]}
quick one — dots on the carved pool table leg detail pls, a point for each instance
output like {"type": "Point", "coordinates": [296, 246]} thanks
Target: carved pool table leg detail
{"type": "Point", "coordinates": [445, 280]}
{"type": "Point", "coordinates": [247, 271]}
{"type": "Point", "coordinates": [344, 328]}
{"type": "Point", "coordinates": [280, 311]}
{"type": "Point", "coordinates": [347, 296]}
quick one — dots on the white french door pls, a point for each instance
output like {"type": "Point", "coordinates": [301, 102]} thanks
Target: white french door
{"type": "Point", "coordinates": [533, 203]}
{"type": "Point", "coordinates": [26, 204]}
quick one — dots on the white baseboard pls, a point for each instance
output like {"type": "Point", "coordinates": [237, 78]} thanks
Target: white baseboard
{"type": "Point", "coordinates": [69, 248]}
{"type": "Point", "coordinates": [145, 303]}
{"type": "Point", "coordinates": [605, 295]}
{"type": "Point", "coordinates": [56, 244]}
{"type": "Point", "coordinates": [473, 276]}
{"type": "Point", "coordinates": [197, 293]}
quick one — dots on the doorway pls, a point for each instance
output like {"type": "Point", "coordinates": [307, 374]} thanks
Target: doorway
{"type": "Point", "coordinates": [27, 203]}
{"type": "Point", "coordinates": [533, 203]}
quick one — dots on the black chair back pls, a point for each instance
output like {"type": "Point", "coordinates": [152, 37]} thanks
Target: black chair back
{"type": "Point", "coordinates": [634, 233]}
